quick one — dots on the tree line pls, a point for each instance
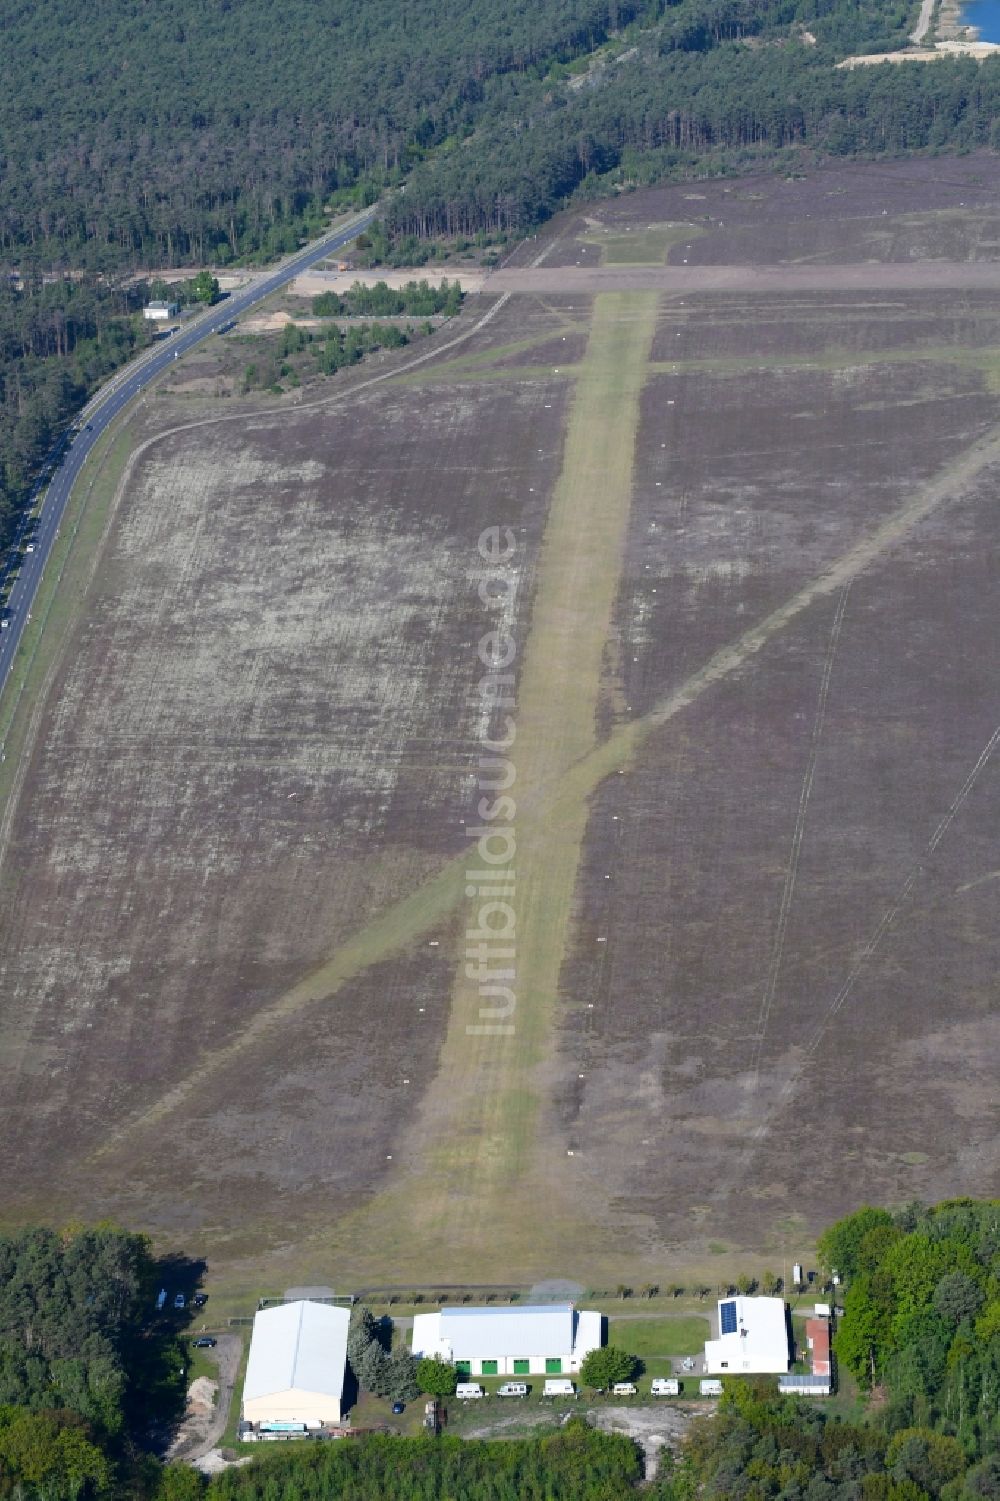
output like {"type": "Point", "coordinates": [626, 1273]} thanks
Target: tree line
{"type": "Point", "coordinates": [690, 113]}
{"type": "Point", "coordinates": [191, 133]}
{"type": "Point", "coordinates": [282, 364]}
{"type": "Point", "coordinates": [59, 338]}
{"type": "Point", "coordinates": [575, 1464]}
{"type": "Point", "coordinates": [223, 132]}
{"type": "Point", "coordinates": [204, 132]}
{"type": "Point", "coordinates": [763, 1447]}
{"type": "Point", "coordinates": [922, 1314]}
{"type": "Point", "coordinates": [90, 1373]}
{"type": "Point", "coordinates": [417, 298]}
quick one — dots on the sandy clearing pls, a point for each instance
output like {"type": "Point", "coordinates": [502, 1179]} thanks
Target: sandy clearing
{"type": "Point", "coordinates": [874, 276]}
{"type": "Point", "coordinates": [976, 50]}
{"type": "Point", "coordinates": [312, 282]}
{"type": "Point", "coordinates": [272, 323]}
{"type": "Point", "coordinates": [228, 280]}
{"type": "Point", "coordinates": [653, 1428]}
{"type": "Point", "coordinates": [269, 323]}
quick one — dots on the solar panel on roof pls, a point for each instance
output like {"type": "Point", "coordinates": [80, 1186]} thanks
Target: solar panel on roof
{"type": "Point", "coordinates": [727, 1316]}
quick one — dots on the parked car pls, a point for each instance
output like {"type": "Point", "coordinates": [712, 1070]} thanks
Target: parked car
{"type": "Point", "coordinates": [398, 1407]}
{"type": "Point", "coordinates": [200, 1299]}
{"type": "Point", "coordinates": [180, 1301]}
{"type": "Point", "coordinates": [205, 1342]}
{"type": "Point", "coordinates": [161, 1299]}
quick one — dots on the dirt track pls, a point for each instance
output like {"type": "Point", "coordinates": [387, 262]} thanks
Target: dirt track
{"type": "Point", "coordinates": [919, 276]}
{"type": "Point", "coordinates": [205, 1423]}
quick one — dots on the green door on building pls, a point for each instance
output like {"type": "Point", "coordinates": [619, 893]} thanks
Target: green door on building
{"type": "Point", "coordinates": [522, 1367]}
{"type": "Point", "coordinates": [553, 1366]}
{"type": "Point", "coordinates": [463, 1367]}
{"type": "Point", "coordinates": [489, 1367]}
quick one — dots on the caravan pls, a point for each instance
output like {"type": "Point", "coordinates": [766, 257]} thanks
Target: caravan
{"type": "Point", "coordinates": [559, 1389]}
{"type": "Point", "coordinates": [665, 1386]}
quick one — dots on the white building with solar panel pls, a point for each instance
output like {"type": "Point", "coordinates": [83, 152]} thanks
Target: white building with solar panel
{"type": "Point", "coordinates": [295, 1370]}
{"type": "Point", "coordinates": [549, 1340]}
{"type": "Point", "coordinates": [753, 1338]}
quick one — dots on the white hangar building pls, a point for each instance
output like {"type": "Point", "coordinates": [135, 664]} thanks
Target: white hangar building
{"type": "Point", "coordinates": [753, 1338]}
{"type": "Point", "coordinates": [295, 1370]}
{"type": "Point", "coordinates": [550, 1340]}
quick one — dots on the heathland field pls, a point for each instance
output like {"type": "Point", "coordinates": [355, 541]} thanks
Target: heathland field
{"type": "Point", "coordinates": [533, 813]}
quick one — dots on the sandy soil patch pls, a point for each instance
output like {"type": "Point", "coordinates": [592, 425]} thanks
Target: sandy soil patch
{"type": "Point", "coordinates": [228, 280]}
{"type": "Point", "coordinates": [976, 50]}
{"type": "Point", "coordinates": [653, 1428]}
{"type": "Point", "coordinates": [312, 282]}
{"type": "Point", "coordinates": [208, 1403]}
{"type": "Point", "coordinates": [269, 323]}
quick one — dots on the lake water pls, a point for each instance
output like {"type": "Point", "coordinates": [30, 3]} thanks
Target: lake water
{"type": "Point", "coordinates": [985, 16]}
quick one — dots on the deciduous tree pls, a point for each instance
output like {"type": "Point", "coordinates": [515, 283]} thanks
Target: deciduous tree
{"type": "Point", "coordinates": [436, 1377]}
{"type": "Point", "coordinates": [603, 1367]}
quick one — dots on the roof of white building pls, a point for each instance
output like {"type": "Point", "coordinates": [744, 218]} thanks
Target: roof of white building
{"type": "Point", "coordinates": [297, 1345]}
{"type": "Point", "coordinates": [492, 1333]}
{"type": "Point", "coordinates": [589, 1332]}
{"type": "Point", "coordinates": [805, 1385]}
{"type": "Point", "coordinates": [753, 1333]}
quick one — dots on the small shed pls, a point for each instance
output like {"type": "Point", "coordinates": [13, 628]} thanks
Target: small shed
{"type": "Point", "coordinates": [804, 1386]}
{"type": "Point", "coordinates": [160, 312]}
{"type": "Point", "coordinates": [818, 1340]}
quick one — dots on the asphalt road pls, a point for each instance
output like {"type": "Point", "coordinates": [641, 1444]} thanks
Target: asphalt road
{"type": "Point", "coordinates": [38, 533]}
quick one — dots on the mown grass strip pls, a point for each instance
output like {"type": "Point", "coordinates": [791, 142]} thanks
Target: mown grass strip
{"type": "Point", "coordinates": [57, 603]}
{"type": "Point", "coordinates": [577, 582]}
